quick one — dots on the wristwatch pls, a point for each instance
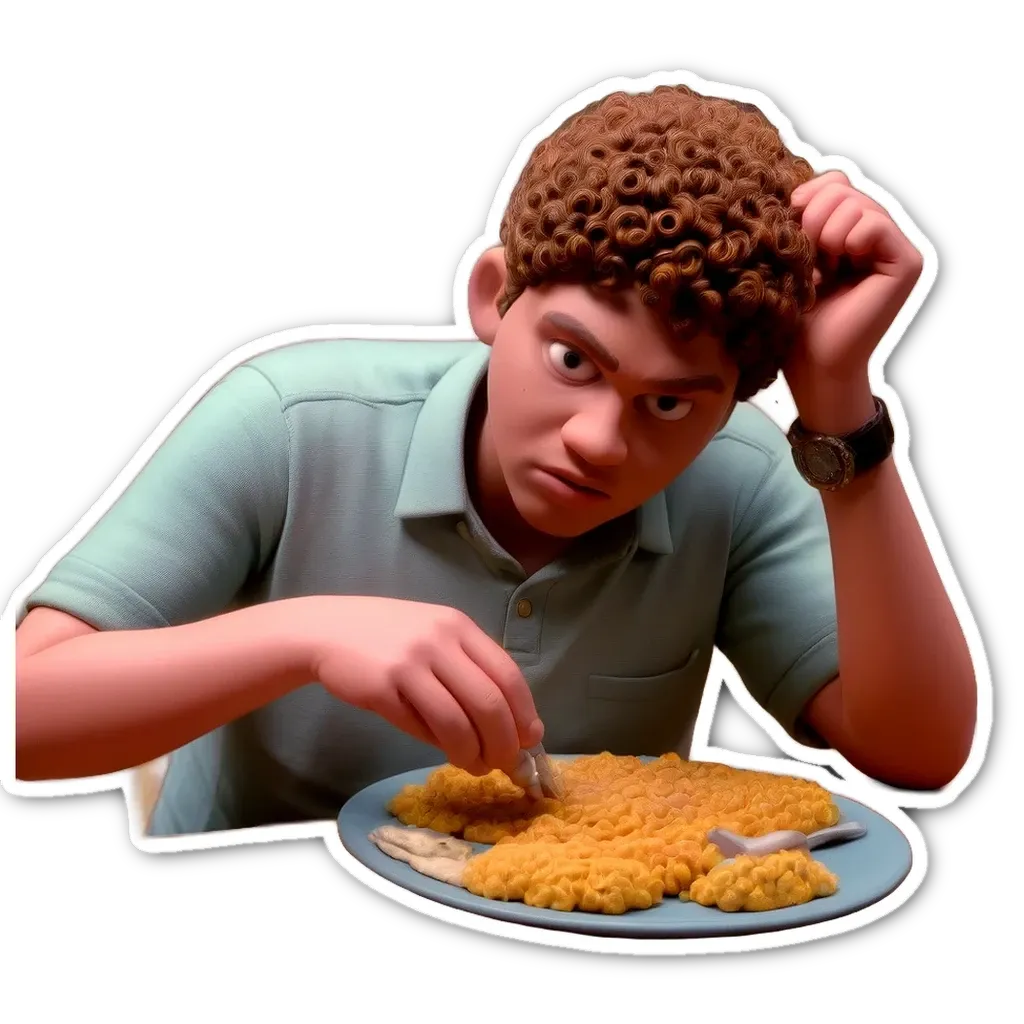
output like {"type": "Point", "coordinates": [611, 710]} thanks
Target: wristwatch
{"type": "Point", "coordinates": [829, 461]}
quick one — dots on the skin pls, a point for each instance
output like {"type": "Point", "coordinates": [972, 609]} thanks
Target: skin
{"type": "Point", "coordinates": [903, 707]}
{"type": "Point", "coordinates": [554, 401]}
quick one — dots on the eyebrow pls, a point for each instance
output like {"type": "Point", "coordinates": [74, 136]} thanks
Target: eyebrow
{"type": "Point", "coordinates": [582, 334]}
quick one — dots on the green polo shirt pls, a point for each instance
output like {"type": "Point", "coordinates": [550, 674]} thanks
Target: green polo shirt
{"type": "Point", "coordinates": [336, 467]}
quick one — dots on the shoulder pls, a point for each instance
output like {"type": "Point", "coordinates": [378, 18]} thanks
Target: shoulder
{"type": "Point", "coordinates": [364, 371]}
{"type": "Point", "coordinates": [745, 481]}
{"type": "Point", "coordinates": [736, 462]}
{"type": "Point", "coordinates": [750, 435]}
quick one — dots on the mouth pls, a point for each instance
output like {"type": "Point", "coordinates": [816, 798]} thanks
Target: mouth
{"type": "Point", "coordinates": [575, 484]}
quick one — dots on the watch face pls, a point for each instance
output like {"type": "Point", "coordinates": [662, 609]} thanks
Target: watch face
{"type": "Point", "coordinates": [826, 463]}
{"type": "Point", "coordinates": [822, 463]}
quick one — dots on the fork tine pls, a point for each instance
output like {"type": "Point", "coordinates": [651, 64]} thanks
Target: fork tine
{"type": "Point", "coordinates": [528, 776]}
{"type": "Point", "coordinates": [550, 783]}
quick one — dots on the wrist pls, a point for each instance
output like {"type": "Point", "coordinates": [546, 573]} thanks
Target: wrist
{"type": "Point", "coordinates": [294, 633]}
{"type": "Point", "coordinates": [833, 405]}
{"type": "Point", "coordinates": [834, 459]}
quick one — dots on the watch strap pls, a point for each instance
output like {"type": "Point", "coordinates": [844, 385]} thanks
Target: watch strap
{"type": "Point", "coordinates": [864, 448]}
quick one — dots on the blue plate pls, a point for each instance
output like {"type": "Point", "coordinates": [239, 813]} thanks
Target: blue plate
{"type": "Point", "coordinates": [868, 868]}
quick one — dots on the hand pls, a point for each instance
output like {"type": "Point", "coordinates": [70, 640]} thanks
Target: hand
{"type": "Point", "coordinates": [427, 669]}
{"type": "Point", "coordinates": [867, 269]}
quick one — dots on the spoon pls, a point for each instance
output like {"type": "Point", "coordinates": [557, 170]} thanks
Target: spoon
{"type": "Point", "coordinates": [732, 845]}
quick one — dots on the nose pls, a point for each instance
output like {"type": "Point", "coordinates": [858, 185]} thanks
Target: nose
{"type": "Point", "coordinates": [596, 433]}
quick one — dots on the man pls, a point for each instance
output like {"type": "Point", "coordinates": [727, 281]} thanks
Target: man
{"type": "Point", "coordinates": [353, 558]}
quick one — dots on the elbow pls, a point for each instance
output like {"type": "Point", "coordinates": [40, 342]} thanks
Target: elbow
{"type": "Point", "coordinates": [930, 775]}
{"type": "Point", "coordinates": [40, 724]}
{"type": "Point", "coordinates": [946, 736]}
{"type": "Point", "coordinates": [923, 774]}
{"type": "Point", "coordinates": [920, 758]}
{"type": "Point", "coordinates": [28, 769]}
{"type": "Point", "coordinates": [950, 757]}
{"type": "Point", "coordinates": [27, 766]}
{"type": "Point", "coordinates": [922, 748]}
{"type": "Point", "coordinates": [32, 761]}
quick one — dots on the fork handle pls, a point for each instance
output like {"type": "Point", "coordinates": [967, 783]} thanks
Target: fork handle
{"type": "Point", "coordinates": [842, 832]}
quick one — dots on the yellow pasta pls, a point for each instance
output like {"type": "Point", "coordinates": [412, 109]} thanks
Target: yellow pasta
{"type": "Point", "coordinates": [628, 834]}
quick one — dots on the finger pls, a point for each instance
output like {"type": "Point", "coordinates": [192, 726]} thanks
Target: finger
{"type": "Point", "coordinates": [839, 225]}
{"type": "Point", "coordinates": [804, 193]}
{"type": "Point", "coordinates": [802, 197]}
{"type": "Point", "coordinates": [484, 702]}
{"type": "Point", "coordinates": [501, 668]}
{"type": "Point", "coordinates": [820, 208]}
{"type": "Point", "coordinates": [876, 234]}
{"type": "Point", "coordinates": [397, 710]}
{"type": "Point", "coordinates": [442, 714]}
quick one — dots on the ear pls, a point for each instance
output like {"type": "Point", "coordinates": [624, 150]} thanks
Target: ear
{"type": "Point", "coordinates": [486, 285]}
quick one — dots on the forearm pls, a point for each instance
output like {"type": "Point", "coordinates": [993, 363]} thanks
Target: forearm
{"type": "Point", "coordinates": [908, 690]}
{"type": "Point", "coordinates": [109, 701]}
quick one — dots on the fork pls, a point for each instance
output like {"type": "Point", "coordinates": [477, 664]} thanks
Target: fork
{"type": "Point", "coordinates": [732, 845]}
{"type": "Point", "coordinates": [537, 775]}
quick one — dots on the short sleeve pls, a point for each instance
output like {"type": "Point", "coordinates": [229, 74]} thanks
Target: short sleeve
{"type": "Point", "coordinates": [196, 523]}
{"type": "Point", "coordinates": [777, 624]}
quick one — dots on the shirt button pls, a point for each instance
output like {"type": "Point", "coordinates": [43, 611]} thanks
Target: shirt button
{"type": "Point", "coordinates": [524, 608]}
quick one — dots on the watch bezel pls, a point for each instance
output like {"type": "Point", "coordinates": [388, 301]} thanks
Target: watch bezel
{"type": "Point", "coordinates": [841, 452]}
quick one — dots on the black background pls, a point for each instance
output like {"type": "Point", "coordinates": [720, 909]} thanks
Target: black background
{"type": "Point", "coordinates": [180, 209]}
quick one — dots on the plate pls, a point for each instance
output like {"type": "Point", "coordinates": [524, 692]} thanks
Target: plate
{"type": "Point", "coordinates": [869, 869]}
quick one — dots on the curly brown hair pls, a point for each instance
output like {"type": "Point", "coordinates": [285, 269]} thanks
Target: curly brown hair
{"type": "Point", "coordinates": [686, 196]}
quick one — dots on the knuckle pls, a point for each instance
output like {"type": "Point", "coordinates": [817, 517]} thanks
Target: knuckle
{"type": "Point", "coordinates": [495, 723]}
{"type": "Point", "coordinates": [419, 651]}
{"type": "Point", "coordinates": [492, 701]}
{"type": "Point", "coordinates": [508, 676]}
{"type": "Point", "coordinates": [456, 618]}
{"type": "Point", "coordinates": [451, 624]}
{"type": "Point", "coordinates": [397, 675]}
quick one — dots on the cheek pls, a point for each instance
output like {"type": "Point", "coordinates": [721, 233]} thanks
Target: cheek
{"type": "Point", "coordinates": [513, 398]}
{"type": "Point", "coordinates": [524, 396]}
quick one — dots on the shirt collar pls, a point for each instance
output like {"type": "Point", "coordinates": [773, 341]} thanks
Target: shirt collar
{"type": "Point", "coordinates": [434, 481]}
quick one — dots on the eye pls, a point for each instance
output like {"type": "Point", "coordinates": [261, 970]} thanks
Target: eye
{"type": "Point", "coordinates": [568, 362]}
{"type": "Point", "coordinates": [668, 407]}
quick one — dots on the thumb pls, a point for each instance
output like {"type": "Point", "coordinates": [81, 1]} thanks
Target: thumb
{"type": "Point", "coordinates": [532, 734]}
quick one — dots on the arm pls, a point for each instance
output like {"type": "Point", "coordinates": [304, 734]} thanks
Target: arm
{"type": "Point", "coordinates": [903, 709]}
{"type": "Point", "coordinates": [122, 655]}
{"type": "Point", "coordinates": [91, 702]}
{"type": "Point", "coordinates": [904, 706]}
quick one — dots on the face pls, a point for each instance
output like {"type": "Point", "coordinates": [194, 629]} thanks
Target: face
{"type": "Point", "coordinates": [593, 406]}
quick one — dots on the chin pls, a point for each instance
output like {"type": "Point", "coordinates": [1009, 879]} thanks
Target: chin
{"type": "Point", "coordinates": [551, 521]}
